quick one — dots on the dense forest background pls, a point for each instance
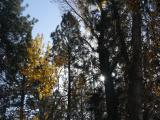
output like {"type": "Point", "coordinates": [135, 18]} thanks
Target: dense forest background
{"type": "Point", "coordinates": [117, 40]}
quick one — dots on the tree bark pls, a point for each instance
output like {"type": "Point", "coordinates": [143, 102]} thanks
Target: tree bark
{"type": "Point", "coordinates": [134, 66]}
{"type": "Point", "coordinates": [135, 77]}
{"type": "Point", "coordinates": [105, 68]}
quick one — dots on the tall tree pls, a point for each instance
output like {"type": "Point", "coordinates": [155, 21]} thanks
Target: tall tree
{"type": "Point", "coordinates": [41, 71]}
{"type": "Point", "coordinates": [97, 18]}
{"type": "Point", "coordinates": [135, 89]}
{"type": "Point", "coordinates": [14, 30]}
{"type": "Point", "coordinates": [133, 56]}
{"type": "Point", "coordinates": [69, 34]}
{"type": "Point", "coordinates": [67, 41]}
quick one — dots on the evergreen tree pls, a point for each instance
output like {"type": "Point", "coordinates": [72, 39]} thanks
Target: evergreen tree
{"type": "Point", "coordinates": [14, 30]}
{"type": "Point", "coordinates": [67, 41]}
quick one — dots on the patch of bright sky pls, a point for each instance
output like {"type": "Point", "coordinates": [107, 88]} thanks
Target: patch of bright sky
{"type": "Point", "coordinates": [48, 16]}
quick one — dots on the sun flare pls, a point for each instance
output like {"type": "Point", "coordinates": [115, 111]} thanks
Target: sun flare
{"type": "Point", "coordinates": [102, 78]}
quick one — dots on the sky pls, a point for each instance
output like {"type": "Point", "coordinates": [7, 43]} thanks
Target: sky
{"type": "Point", "coordinates": [48, 16]}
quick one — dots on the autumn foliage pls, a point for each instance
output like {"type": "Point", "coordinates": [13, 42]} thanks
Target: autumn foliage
{"type": "Point", "coordinates": [39, 67]}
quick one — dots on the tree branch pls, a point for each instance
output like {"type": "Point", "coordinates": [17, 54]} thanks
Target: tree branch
{"type": "Point", "coordinates": [92, 31]}
{"type": "Point", "coordinates": [82, 39]}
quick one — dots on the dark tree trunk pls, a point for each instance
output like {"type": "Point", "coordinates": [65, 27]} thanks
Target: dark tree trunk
{"type": "Point", "coordinates": [135, 77]}
{"type": "Point", "coordinates": [111, 97]}
{"type": "Point", "coordinates": [134, 67]}
{"type": "Point", "coordinates": [69, 83]}
{"type": "Point", "coordinates": [146, 112]}
{"type": "Point", "coordinates": [4, 109]}
{"type": "Point", "coordinates": [105, 68]}
{"type": "Point", "coordinates": [82, 118]}
{"type": "Point", "coordinates": [22, 99]}
{"type": "Point", "coordinates": [42, 106]}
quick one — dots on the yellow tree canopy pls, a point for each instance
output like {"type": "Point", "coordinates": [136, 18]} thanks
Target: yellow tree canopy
{"type": "Point", "coordinates": [39, 67]}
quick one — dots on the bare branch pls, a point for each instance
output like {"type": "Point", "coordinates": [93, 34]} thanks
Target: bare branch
{"type": "Point", "coordinates": [82, 39]}
{"type": "Point", "coordinates": [84, 20]}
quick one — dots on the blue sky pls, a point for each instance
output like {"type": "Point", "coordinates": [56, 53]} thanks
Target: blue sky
{"type": "Point", "coordinates": [48, 15]}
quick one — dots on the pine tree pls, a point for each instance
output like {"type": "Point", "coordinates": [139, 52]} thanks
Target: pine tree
{"type": "Point", "coordinates": [67, 41]}
{"type": "Point", "coordinates": [13, 33]}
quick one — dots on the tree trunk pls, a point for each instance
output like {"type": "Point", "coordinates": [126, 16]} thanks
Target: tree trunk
{"type": "Point", "coordinates": [135, 77]}
{"type": "Point", "coordinates": [22, 99]}
{"type": "Point", "coordinates": [42, 108]}
{"type": "Point", "coordinates": [69, 83]}
{"type": "Point", "coordinates": [82, 105]}
{"type": "Point", "coordinates": [134, 67]}
{"type": "Point", "coordinates": [105, 68]}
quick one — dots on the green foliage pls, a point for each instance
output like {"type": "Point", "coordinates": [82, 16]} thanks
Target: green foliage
{"type": "Point", "coordinates": [13, 33]}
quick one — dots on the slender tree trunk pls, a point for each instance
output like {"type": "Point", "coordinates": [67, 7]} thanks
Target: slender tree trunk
{"type": "Point", "coordinates": [4, 109]}
{"type": "Point", "coordinates": [82, 105]}
{"type": "Point", "coordinates": [22, 99]}
{"type": "Point", "coordinates": [146, 112]}
{"type": "Point", "coordinates": [42, 108]}
{"type": "Point", "coordinates": [135, 89]}
{"type": "Point", "coordinates": [69, 83]}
